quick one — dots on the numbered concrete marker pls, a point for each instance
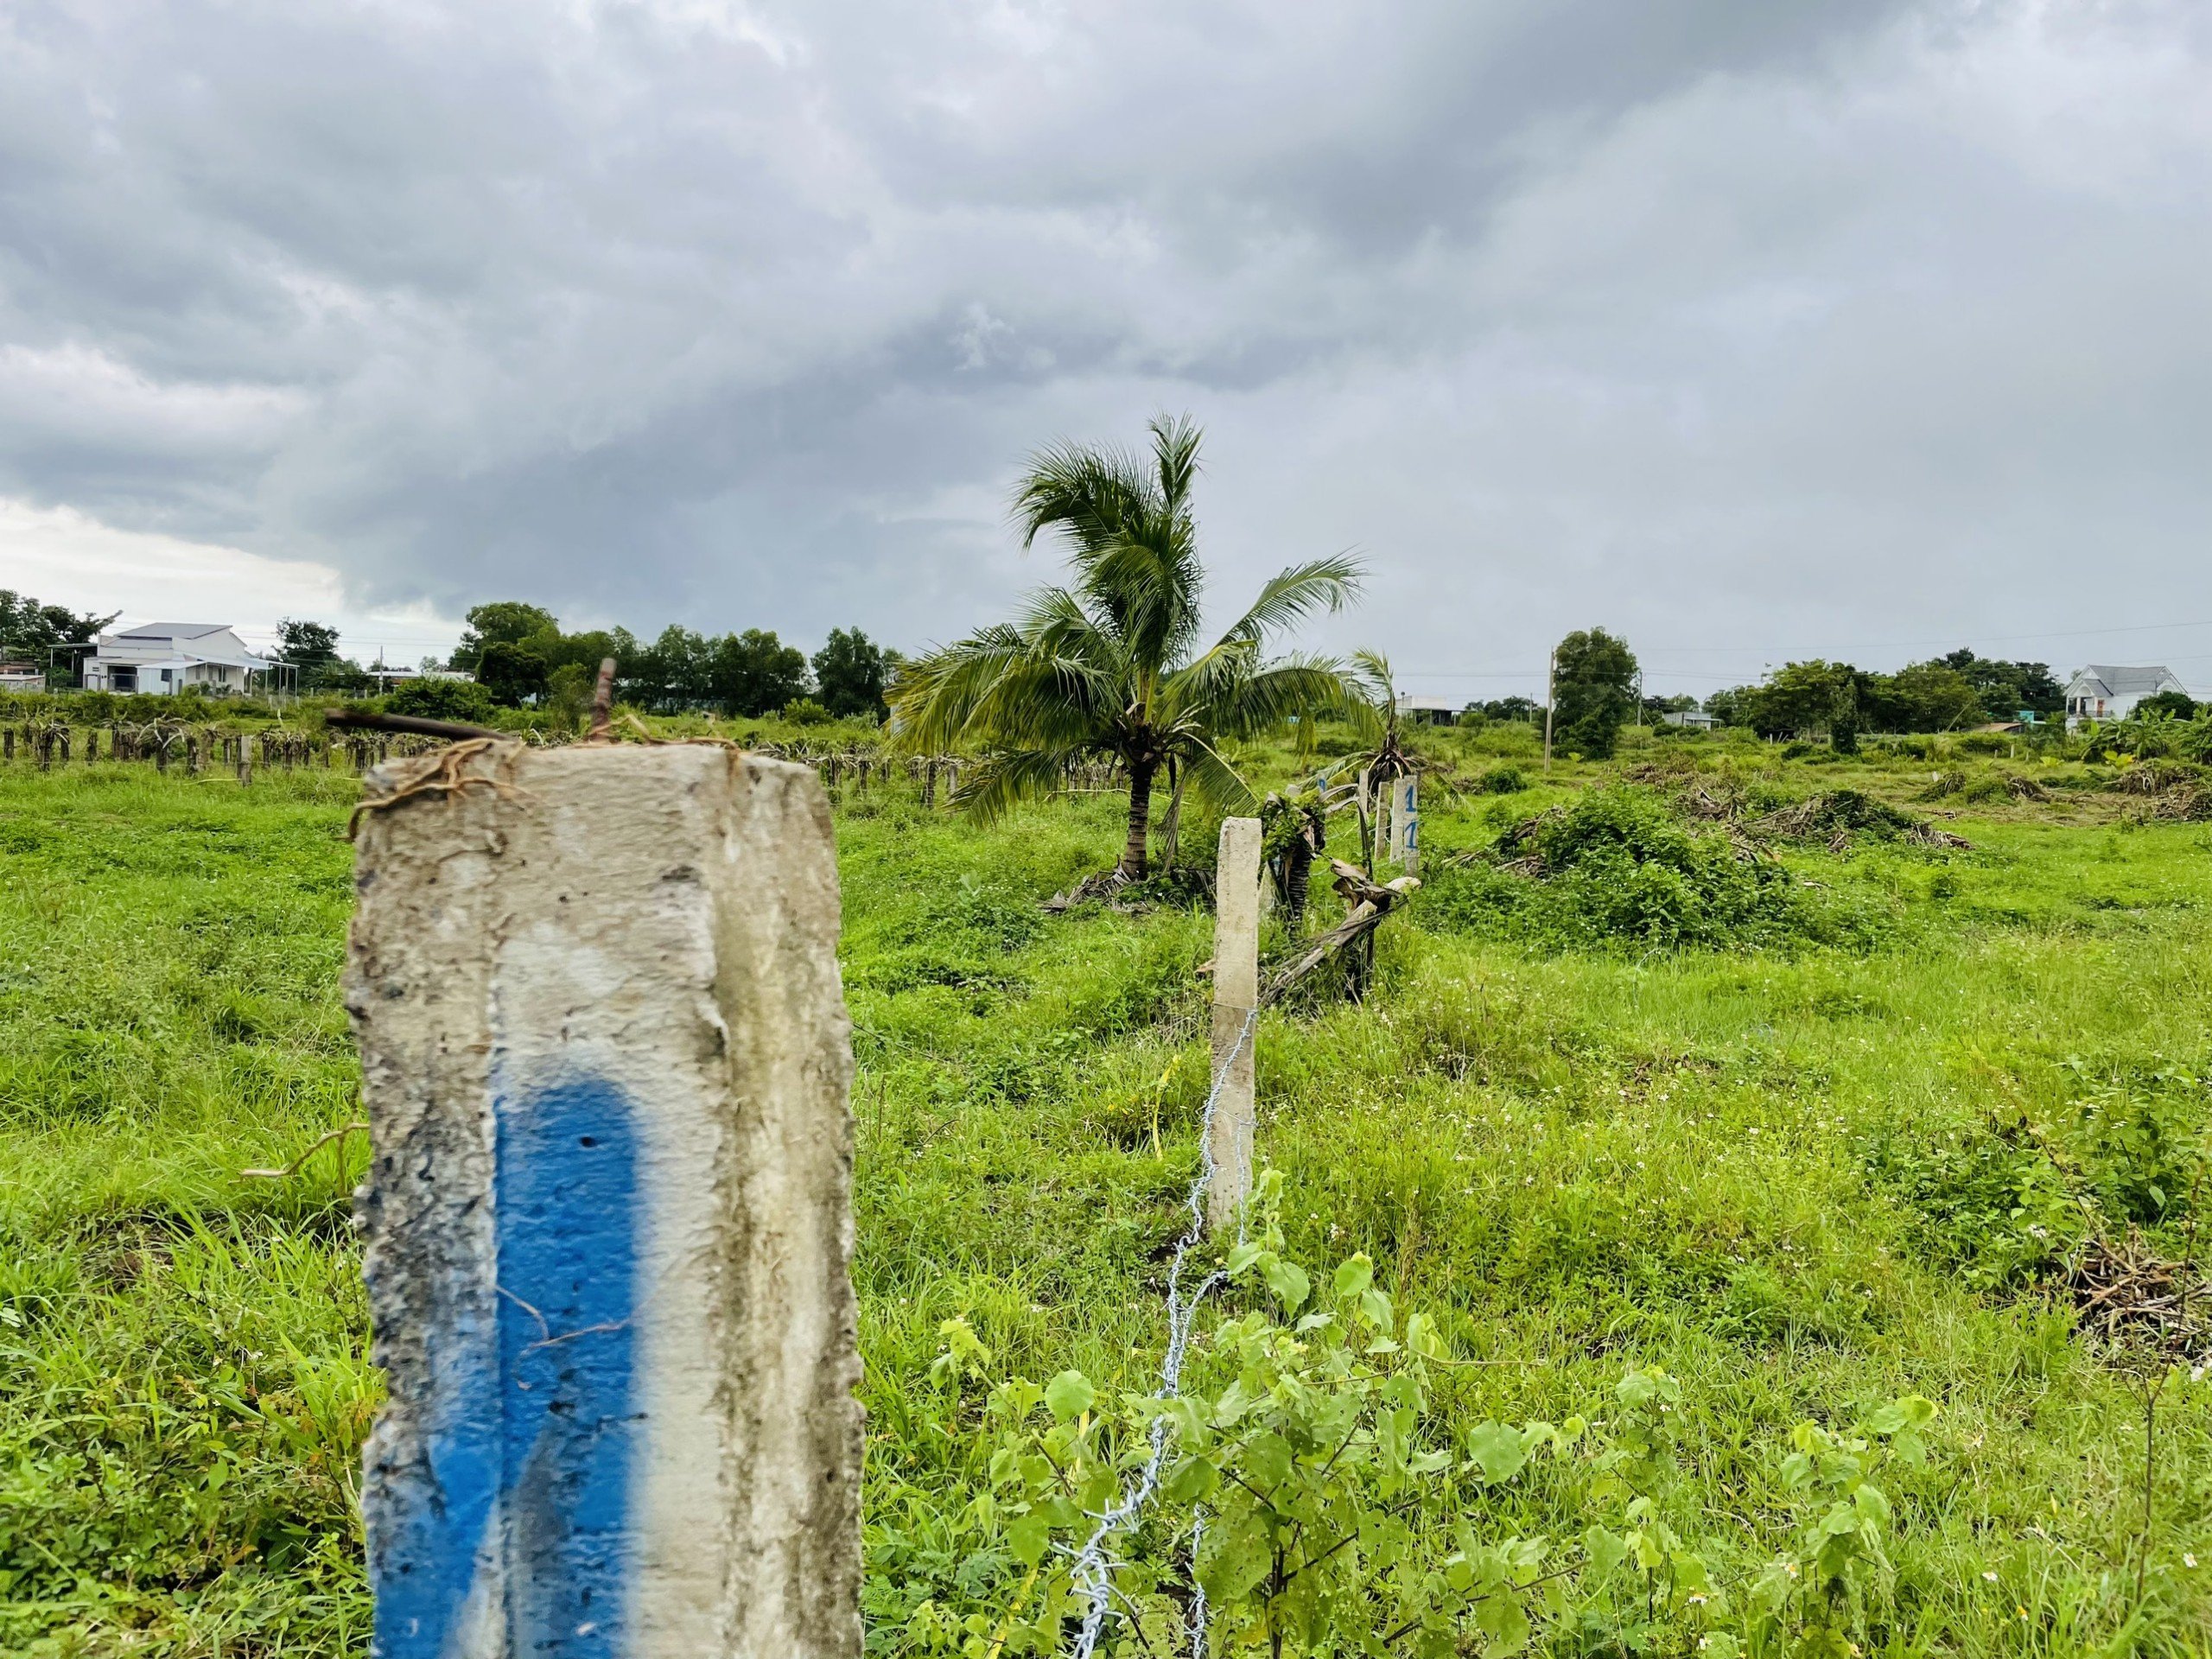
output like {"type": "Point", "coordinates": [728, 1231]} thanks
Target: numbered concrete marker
{"type": "Point", "coordinates": [1235, 995]}
{"type": "Point", "coordinates": [606, 1059]}
{"type": "Point", "coordinates": [1405, 822]}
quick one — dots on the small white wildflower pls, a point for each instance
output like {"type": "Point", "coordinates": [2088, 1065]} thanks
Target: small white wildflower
{"type": "Point", "coordinates": [1992, 1577]}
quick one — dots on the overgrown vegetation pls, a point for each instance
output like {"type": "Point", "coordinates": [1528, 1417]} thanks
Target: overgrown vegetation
{"type": "Point", "coordinates": [1697, 1220]}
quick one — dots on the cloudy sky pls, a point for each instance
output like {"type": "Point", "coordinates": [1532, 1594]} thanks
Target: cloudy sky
{"type": "Point", "coordinates": [1753, 330]}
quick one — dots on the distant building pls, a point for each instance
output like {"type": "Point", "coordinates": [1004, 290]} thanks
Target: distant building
{"type": "Point", "coordinates": [1695, 718]}
{"type": "Point", "coordinates": [21, 677]}
{"type": "Point", "coordinates": [166, 656]}
{"type": "Point", "coordinates": [1427, 711]}
{"type": "Point", "coordinates": [2104, 691]}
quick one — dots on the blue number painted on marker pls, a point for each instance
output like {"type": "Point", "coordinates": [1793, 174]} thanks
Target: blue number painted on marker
{"type": "Point", "coordinates": [541, 1413]}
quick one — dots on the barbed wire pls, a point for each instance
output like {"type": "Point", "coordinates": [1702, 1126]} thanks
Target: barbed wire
{"type": "Point", "coordinates": [1092, 1573]}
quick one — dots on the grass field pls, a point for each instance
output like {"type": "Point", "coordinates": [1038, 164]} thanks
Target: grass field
{"type": "Point", "coordinates": [1806, 1179]}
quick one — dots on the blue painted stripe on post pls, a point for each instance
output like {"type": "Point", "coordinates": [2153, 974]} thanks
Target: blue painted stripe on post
{"type": "Point", "coordinates": [541, 1412]}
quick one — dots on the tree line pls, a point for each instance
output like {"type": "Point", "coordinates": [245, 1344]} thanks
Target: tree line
{"type": "Point", "coordinates": [1596, 692]}
{"type": "Point", "coordinates": [518, 654]}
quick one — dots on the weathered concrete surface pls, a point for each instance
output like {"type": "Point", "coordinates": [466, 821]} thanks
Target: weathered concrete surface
{"type": "Point", "coordinates": [607, 1064]}
{"type": "Point", "coordinates": [1235, 994]}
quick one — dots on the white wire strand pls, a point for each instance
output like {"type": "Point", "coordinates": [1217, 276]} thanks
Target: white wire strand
{"type": "Point", "coordinates": [1092, 1573]}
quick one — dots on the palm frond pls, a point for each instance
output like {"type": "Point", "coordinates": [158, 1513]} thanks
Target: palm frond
{"type": "Point", "coordinates": [1212, 779]}
{"type": "Point", "coordinates": [1294, 687]}
{"type": "Point", "coordinates": [1291, 595]}
{"type": "Point", "coordinates": [1175, 440]}
{"type": "Point", "coordinates": [1091, 494]}
{"type": "Point", "coordinates": [1374, 691]}
{"type": "Point", "coordinates": [1003, 779]}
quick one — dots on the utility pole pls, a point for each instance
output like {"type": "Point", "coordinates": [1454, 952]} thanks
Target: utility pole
{"type": "Point", "coordinates": [1551, 674]}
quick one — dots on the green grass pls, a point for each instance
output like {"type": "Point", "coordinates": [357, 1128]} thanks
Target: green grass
{"type": "Point", "coordinates": [1788, 1176]}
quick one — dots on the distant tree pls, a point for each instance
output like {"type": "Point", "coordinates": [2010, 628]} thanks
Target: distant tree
{"type": "Point", "coordinates": [1931, 696]}
{"type": "Point", "coordinates": [1593, 692]}
{"type": "Point", "coordinates": [1801, 698]}
{"type": "Point", "coordinates": [505, 621]}
{"type": "Point", "coordinates": [2005, 688]}
{"type": "Point", "coordinates": [2167, 705]}
{"type": "Point", "coordinates": [29, 632]}
{"type": "Point", "coordinates": [312, 649]}
{"type": "Point", "coordinates": [754, 673]}
{"type": "Point", "coordinates": [850, 673]}
{"type": "Point", "coordinates": [512, 674]}
{"type": "Point", "coordinates": [1730, 705]}
{"type": "Point", "coordinates": [307, 645]}
{"type": "Point", "coordinates": [1521, 708]}
{"type": "Point", "coordinates": [457, 700]}
{"type": "Point", "coordinates": [675, 671]}
{"type": "Point", "coordinates": [1112, 665]}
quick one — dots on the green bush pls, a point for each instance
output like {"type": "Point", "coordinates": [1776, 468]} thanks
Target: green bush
{"type": "Point", "coordinates": [456, 700]}
{"type": "Point", "coordinates": [1503, 780]}
{"type": "Point", "coordinates": [1619, 869]}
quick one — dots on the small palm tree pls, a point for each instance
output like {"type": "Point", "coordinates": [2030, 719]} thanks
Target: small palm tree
{"type": "Point", "coordinates": [1111, 666]}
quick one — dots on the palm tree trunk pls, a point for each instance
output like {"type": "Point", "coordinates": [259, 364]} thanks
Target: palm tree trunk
{"type": "Point", "coordinates": [1132, 867]}
{"type": "Point", "coordinates": [1171, 831]}
{"type": "Point", "coordinates": [1298, 862]}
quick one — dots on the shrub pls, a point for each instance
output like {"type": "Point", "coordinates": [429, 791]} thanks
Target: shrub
{"type": "Point", "coordinates": [1619, 868]}
{"type": "Point", "coordinates": [456, 700]}
{"type": "Point", "coordinates": [805, 711]}
{"type": "Point", "coordinates": [1503, 780]}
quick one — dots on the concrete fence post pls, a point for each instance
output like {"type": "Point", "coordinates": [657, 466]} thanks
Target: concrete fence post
{"type": "Point", "coordinates": [1405, 822]}
{"type": "Point", "coordinates": [1236, 996]}
{"type": "Point", "coordinates": [606, 1062]}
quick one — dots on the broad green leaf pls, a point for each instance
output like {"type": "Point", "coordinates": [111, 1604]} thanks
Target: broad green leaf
{"type": "Point", "coordinates": [1605, 1550]}
{"type": "Point", "coordinates": [1498, 1615]}
{"type": "Point", "coordinates": [1069, 1394]}
{"type": "Point", "coordinates": [1375, 1308]}
{"type": "Point", "coordinates": [1028, 1536]}
{"type": "Point", "coordinates": [1191, 1481]}
{"type": "Point", "coordinates": [1267, 1459]}
{"type": "Point", "coordinates": [1236, 1558]}
{"type": "Point", "coordinates": [1354, 1276]}
{"type": "Point", "coordinates": [1497, 1450]}
{"type": "Point", "coordinates": [1288, 1281]}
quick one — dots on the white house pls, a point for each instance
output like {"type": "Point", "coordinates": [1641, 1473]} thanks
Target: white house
{"type": "Point", "coordinates": [21, 677]}
{"type": "Point", "coordinates": [173, 656]}
{"type": "Point", "coordinates": [1432, 711]}
{"type": "Point", "coordinates": [2104, 691]}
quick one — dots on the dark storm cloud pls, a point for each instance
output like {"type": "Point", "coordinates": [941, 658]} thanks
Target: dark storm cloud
{"type": "Point", "coordinates": [1746, 326]}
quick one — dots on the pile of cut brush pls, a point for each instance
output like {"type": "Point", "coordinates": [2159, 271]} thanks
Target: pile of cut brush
{"type": "Point", "coordinates": [1833, 816]}
{"type": "Point", "coordinates": [1836, 814]}
{"type": "Point", "coordinates": [2172, 793]}
{"type": "Point", "coordinates": [2125, 1292]}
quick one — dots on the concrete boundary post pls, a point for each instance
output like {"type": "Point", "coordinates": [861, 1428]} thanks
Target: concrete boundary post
{"type": "Point", "coordinates": [1405, 822]}
{"type": "Point", "coordinates": [1235, 995]}
{"type": "Point", "coordinates": [607, 1064]}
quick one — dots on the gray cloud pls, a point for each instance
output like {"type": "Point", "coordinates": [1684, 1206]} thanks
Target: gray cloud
{"type": "Point", "coordinates": [1751, 329]}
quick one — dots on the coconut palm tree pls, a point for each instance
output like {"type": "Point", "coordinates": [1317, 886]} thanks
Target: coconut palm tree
{"type": "Point", "coordinates": [1111, 665]}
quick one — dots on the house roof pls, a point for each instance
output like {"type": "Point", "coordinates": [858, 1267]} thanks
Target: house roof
{"type": "Point", "coordinates": [174, 630]}
{"type": "Point", "coordinates": [1409, 704]}
{"type": "Point", "coordinates": [2126, 680]}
